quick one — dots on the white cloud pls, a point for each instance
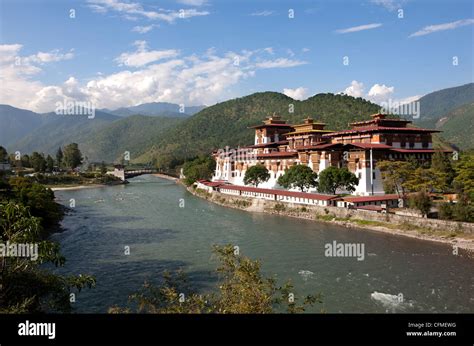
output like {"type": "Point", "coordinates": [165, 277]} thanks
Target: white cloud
{"type": "Point", "coordinates": [380, 92]}
{"type": "Point", "coordinates": [297, 94]}
{"type": "Point", "coordinates": [305, 50]}
{"type": "Point", "coordinates": [264, 13]}
{"type": "Point", "coordinates": [269, 50]}
{"type": "Point", "coordinates": [390, 5]}
{"type": "Point", "coordinates": [133, 10]}
{"type": "Point", "coordinates": [164, 76]}
{"type": "Point", "coordinates": [17, 86]}
{"type": "Point", "coordinates": [193, 2]}
{"type": "Point", "coordinates": [279, 63]}
{"type": "Point", "coordinates": [142, 56]}
{"type": "Point", "coordinates": [144, 29]}
{"type": "Point", "coordinates": [356, 89]}
{"type": "Point", "coordinates": [53, 56]}
{"type": "Point", "coordinates": [442, 27]}
{"type": "Point", "coordinates": [359, 28]}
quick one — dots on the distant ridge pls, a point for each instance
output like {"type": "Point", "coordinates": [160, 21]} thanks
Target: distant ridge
{"type": "Point", "coordinates": [156, 109]}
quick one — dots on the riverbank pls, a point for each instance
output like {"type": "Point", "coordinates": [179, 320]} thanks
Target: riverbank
{"type": "Point", "coordinates": [165, 176]}
{"type": "Point", "coordinates": [353, 219]}
{"type": "Point", "coordinates": [76, 187]}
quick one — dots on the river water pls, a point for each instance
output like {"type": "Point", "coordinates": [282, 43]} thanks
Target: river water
{"type": "Point", "coordinates": [167, 228]}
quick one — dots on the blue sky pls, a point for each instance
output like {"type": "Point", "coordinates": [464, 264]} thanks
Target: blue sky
{"type": "Point", "coordinates": [123, 52]}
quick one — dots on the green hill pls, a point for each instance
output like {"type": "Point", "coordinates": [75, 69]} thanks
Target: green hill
{"type": "Point", "coordinates": [58, 130]}
{"type": "Point", "coordinates": [458, 127]}
{"type": "Point", "coordinates": [228, 123]}
{"type": "Point", "coordinates": [135, 134]}
{"type": "Point", "coordinates": [438, 104]}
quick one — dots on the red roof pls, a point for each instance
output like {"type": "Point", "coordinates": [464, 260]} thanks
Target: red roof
{"type": "Point", "coordinates": [371, 145]}
{"type": "Point", "coordinates": [278, 154]}
{"type": "Point", "coordinates": [421, 151]}
{"type": "Point", "coordinates": [271, 125]}
{"type": "Point", "coordinates": [211, 183]}
{"type": "Point", "coordinates": [280, 192]}
{"type": "Point", "coordinates": [362, 199]}
{"type": "Point", "coordinates": [380, 128]}
{"type": "Point", "coordinates": [264, 145]}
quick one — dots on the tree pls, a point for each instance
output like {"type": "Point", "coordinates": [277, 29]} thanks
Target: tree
{"type": "Point", "coordinates": [38, 162]}
{"type": "Point", "coordinates": [464, 180]}
{"type": "Point", "coordinates": [420, 201]}
{"type": "Point", "coordinates": [103, 168]}
{"type": "Point", "coordinates": [3, 154]}
{"type": "Point", "coordinates": [441, 163]}
{"type": "Point", "coordinates": [300, 176]}
{"type": "Point", "coordinates": [49, 164]}
{"type": "Point", "coordinates": [333, 178]}
{"type": "Point", "coordinates": [25, 285]}
{"type": "Point", "coordinates": [256, 175]}
{"type": "Point", "coordinates": [72, 156]}
{"type": "Point", "coordinates": [39, 200]}
{"type": "Point", "coordinates": [25, 161]}
{"type": "Point", "coordinates": [242, 290]}
{"type": "Point", "coordinates": [463, 209]}
{"type": "Point", "coordinates": [59, 157]}
{"type": "Point", "coordinates": [395, 174]}
{"type": "Point", "coordinates": [426, 179]}
{"type": "Point", "coordinates": [199, 168]}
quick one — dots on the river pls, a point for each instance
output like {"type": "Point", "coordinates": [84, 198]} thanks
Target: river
{"type": "Point", "coordinates": [167, 228]}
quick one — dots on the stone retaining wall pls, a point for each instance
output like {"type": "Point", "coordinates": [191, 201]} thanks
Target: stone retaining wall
{"type": "Point", "coordinates": [312, 213]}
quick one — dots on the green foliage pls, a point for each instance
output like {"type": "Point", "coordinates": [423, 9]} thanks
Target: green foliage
{"type": "Point", "coordinates": [464, 180]}
{"type": "Point", "coordinates": [242, 289]}
{"type": "Point", "coordinates": [25, 287]}
{"type": "Point", "coordinates": [463, 210]}
{"type": "Point", "coordinates": [395, 174]}
{"type": "Point", "coordinates": [426, 179]}
{"type": "Point", "coordinates": [199, 168]}
{"type": "Point", "coordinates": [38, 162]}
{"type": "Point", "coordinates": [3, 154]}
{"type": "Point", "coordinates": [59, 157]}
{"type": "Point", "coordinates": [103, 168]}
{"type": "Point", "coordinates": [39, 199]}
{"type": "Point", "coordinates": [256, 175]}
{"type": "Point", "coordinates": [441, 163]}
{"type": "Point", "coordinates": [436, 105]}
{"type": "Point", "coordinates": [49, 164]}
{"type": "Point", "coordinates": [298, 176]}
{"type": "Point", "coordinates": [72, 156]}
{"type": "Point", "coordinates": [458, 126]}
{"type": "Point", "coordinates": [333, 178]}
{"type": "Point", "coordinates": [420, 201]}
{"type": "Point", "coordinates": [279, 207]}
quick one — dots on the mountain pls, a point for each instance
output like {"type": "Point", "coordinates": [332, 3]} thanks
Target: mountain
{"type": "Point", "coordinates": [58, 130]}
{"type": "Point", "coordinates": [135, 134]}
{"type": "Point", "coordinates": [15, 123]}
{"type": "Point", "coordinates": [228, 123]}
{"type": "Point", "coordinates": [102, 138]}
{"type": "Point", "coordinates": [156, 109]}
{"type": "Point", "coordinates": [458, 126]}
{"type": "Point", "coordinates": [438, 104]}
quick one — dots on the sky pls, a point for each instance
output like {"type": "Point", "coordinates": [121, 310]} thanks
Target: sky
{"type": "Point", "coordinates": [118, 53]}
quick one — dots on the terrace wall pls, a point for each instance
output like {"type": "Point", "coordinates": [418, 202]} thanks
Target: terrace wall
{"type": "Point", "coordinates": [312, 212]}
